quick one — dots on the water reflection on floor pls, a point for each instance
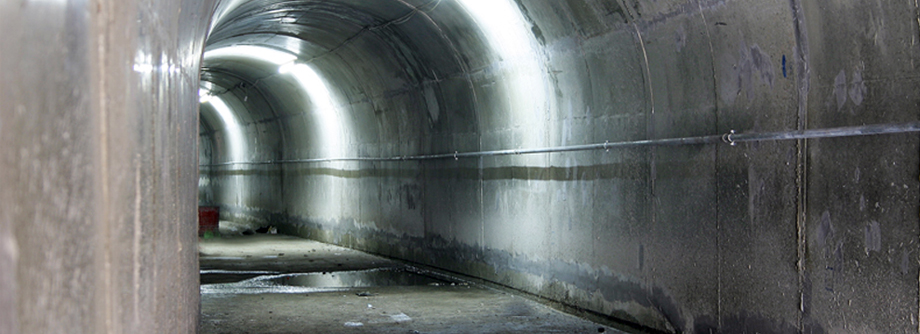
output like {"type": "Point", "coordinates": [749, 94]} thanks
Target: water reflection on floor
{"type": "Point", "coordinates": [240, 282]}
{"type": "Point", "coordinates": [281, 284]}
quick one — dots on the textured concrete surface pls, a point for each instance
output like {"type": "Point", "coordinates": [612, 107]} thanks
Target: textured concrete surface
{"type": "Point", "coordinates": [283, 254]}
{"type": "Point", "coordinates": [98, 113]}
{"type": "Point", "coordinates": [355, 298]}
{"type": "Point", "coordinates": [97, 165]}
{"type": "Point", "coordinates": [778, 237]}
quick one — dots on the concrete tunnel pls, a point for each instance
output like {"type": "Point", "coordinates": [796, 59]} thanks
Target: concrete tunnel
{"type": "Point", "coordinates": [687, 166]}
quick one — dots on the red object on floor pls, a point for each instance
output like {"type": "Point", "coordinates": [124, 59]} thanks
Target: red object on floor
{"type": "Point", "coordinates": [208, 218]}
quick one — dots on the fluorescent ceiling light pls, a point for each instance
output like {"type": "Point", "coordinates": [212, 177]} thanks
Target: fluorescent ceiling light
{"type": "Point", "coordinates": [504, 26]}
{"type": "Point", "coordinates": [312, 83]}
{"type": "Point", "coordinates": [269, 55]}
{"type": "Point", "coordinates": [204, 96]}
{"type": "Point", "coordinates": [324, 106]}
{"type": "Point", "coordinates": [223, 111]}
{"type": "Point", "coordinates": [520, 60]}
{"type": "Point", "coordinates": [232, 128]}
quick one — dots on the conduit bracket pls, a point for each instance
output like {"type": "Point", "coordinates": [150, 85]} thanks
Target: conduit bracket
{"type": "Point", "coordinates": [727, 138]}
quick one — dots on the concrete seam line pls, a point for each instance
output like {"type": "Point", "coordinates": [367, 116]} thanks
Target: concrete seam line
{"type": "Point", "coordinates": [731, 138]}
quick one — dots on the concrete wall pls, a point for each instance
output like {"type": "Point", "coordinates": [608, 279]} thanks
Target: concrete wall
{"type": "Point", "coordinates": [252, 191]}
{"type": "Point", "coordinates": [773, 237]}
{"type": "Point", "coordinates": [98, 117]}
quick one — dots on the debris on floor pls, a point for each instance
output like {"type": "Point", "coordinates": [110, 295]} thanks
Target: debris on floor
{"type": "Point", "coordinates": [280, 284]}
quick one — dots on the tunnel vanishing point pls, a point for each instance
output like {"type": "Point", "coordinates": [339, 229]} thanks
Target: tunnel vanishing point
{"type": "Point", "coordinates": [690, 166]}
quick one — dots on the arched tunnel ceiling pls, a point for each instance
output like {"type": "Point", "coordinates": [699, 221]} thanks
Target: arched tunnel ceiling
{"type": "Point", "coordinates": [362, 48]}
{"type": "Point", "coordinates": [391, 78]}
{"type": "Point", "coordinates": [390, 75]}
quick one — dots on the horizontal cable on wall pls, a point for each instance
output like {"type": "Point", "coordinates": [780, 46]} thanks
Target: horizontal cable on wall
{"type": "Point", "coordinates": [730, 138]}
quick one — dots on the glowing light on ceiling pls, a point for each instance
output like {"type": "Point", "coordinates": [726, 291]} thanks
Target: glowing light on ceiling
{"type": "Point", "coordinates": [225, 8]}
{"type": "Point", "coordinates": [324, 106]}
{"type": "Point", "coordinates": [520, 64]}
{"type": "Point", "coordinates": [231, 126]}
{"type": "Point", "coordinates": [265, 54]}
{"type": "Point", "coordinates": [328, 127]}
{"type": "Point", "coordinates": [204, 95]}
{"type": "Point", "coordinates": [502, 23]}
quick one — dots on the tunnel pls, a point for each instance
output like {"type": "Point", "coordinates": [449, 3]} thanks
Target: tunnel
{"type": "Point", "coordinates": [683, 166]}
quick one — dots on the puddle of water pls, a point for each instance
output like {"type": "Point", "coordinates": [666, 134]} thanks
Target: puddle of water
{"type": "Point", "coordinates": [255, 282]}
{"type": "Point", "coordinates": [230, 276]}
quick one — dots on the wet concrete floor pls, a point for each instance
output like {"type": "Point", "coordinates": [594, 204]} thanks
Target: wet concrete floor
{"type": "Point", "coordinates": [282, 284]}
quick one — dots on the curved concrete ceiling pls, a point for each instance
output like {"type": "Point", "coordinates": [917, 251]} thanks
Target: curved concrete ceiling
{"type": "Point", "coordinates": [599, 230]}
{"type": "Point", "coordinates": [371, 58]}
{"type": "Point", "coordinates": [816, 235]}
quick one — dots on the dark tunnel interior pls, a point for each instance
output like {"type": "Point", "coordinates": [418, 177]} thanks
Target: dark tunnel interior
{"type": "Point", "coordinates": [685, 166]}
